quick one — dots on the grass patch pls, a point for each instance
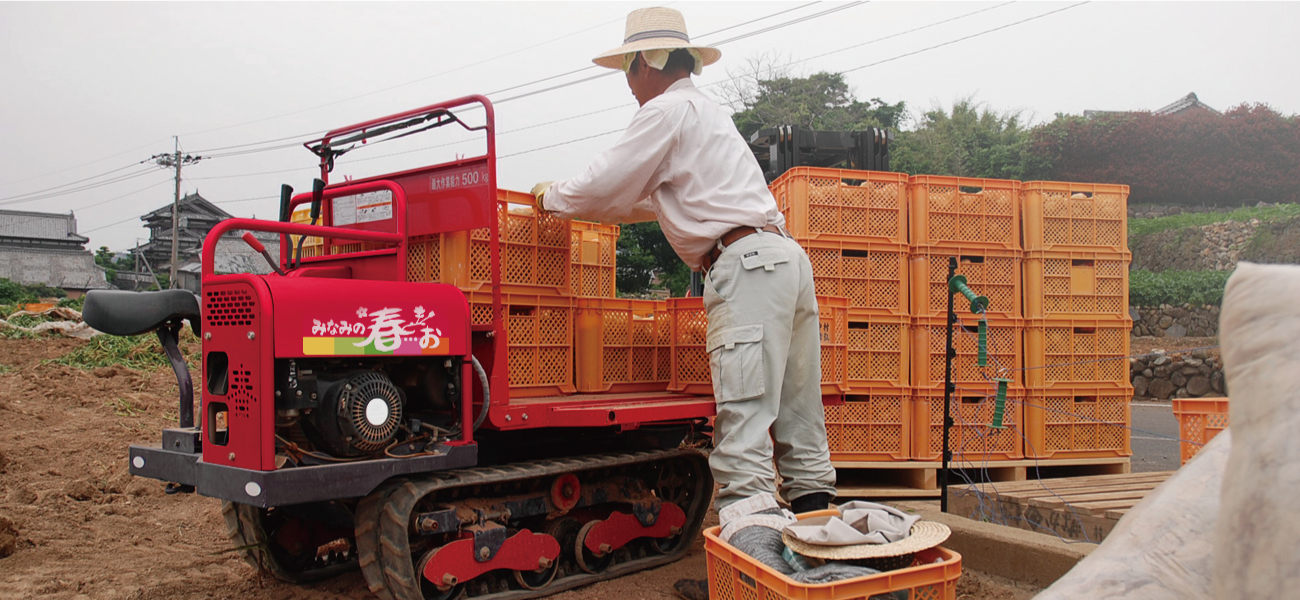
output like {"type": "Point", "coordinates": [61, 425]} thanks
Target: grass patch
{"type": "Point", "coordinates": [1141, 227]}
{"type": "Point", "coordinates": [124, 407]}
{"type": "Point", "coordinates": [5, 369]}
{"type": "Point", "coordinates": [1198, 288]}
{"type": "Point", "coordinates": [141, 352]}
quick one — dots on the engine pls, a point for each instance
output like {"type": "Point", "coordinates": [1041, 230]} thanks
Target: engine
{"type": "Point", "coordinates": [359, 414]}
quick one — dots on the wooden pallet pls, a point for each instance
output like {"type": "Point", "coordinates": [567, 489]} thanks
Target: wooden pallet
{"type": "Point", "coordinates": [920, 479]}
{"type": "Point", "coordinates": [1078, 508]}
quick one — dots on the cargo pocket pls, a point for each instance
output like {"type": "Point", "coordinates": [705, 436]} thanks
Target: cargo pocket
{"type": "Point", "coordinates": [736, 363]}
{"type": "Point", "coordinates": [766, 258]}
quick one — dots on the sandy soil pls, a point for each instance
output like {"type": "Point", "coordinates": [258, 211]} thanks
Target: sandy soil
{"type": "Point", "coordinates": [75, 525]}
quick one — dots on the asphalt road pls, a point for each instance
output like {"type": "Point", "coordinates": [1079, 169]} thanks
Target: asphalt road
{"type": "Point", "coordinates": [1155, 433]}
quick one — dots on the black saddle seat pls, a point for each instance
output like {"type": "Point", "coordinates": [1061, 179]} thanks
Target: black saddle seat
{"type": "Point", "coordinates": [118, 312]}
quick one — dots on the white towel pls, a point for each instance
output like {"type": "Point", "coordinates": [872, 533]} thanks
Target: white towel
{"type": "Point", "coordinates": [859, 523]}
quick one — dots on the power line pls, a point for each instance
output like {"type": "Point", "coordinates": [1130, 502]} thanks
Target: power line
{"type": "Point", "coordinates": [50, 189]}
{"type": "Point", "coordinates": [78, 166]}
{"type": "Point", "coordinates": [84, 188]}
{"type": "Point", "coordinates": [100, 203]}
{"type": "Point", "coordinates": [964, 38]}
{"type": "Point", "coordinates": [522, 85]}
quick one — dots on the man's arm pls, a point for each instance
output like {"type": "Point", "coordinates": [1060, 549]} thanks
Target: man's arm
{"type": "Point", "coordinates": [617, 184]}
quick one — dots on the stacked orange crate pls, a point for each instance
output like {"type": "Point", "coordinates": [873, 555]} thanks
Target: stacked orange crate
{"type": "Point", "coordinates": [538, 309]}
{"type": "Point", "coordinates": [977, 221]}
{"type": "Point", "coordinates": [853, 225]}
{"type": "Point", "coordinates": [1077, 321]}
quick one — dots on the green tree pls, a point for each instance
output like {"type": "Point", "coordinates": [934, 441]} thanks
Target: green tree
{"type": "Point", "coordinates": [970, 141]}
{"type": "Point", "coordinates": [821, 101]}
{"type": "Point", "coordinates": [645, 255]}
{"type": "Point", "coordinates": [104, 258]}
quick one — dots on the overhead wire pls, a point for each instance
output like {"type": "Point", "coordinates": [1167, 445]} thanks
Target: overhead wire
{"type": "Point", "coordinates": [78, 166]}
{"type": "Point", "coordinates": [88, 187]}
{"type": "Point", "coordinates": [50, 189]}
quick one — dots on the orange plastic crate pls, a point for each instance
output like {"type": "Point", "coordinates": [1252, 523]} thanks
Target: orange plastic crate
{"type": "Point", "coordinates": [871, 275]}
{"type": "Point", "coordinates": [539, 336]}
{"type": "Point", "coordinates": [991, 273]}
{"type": "Point", "coordinates": [424, 258]}
{"type": "Point", "coordinates": [1077, 352]}
{"type": "Point", "coordinates": [593, 249]}
{"type": "Point", "coordinates": [1079, 422]}
{"type": "Point", "coordinates": [535, 250]}
{"type": "Point", "coordinates": [1199, 420]}
{"type": "Point", "coordinates": [971, 438]}
{"type": "Point", "coordinates": [838, 204]}
{"type": "Point", "coordinates": [929, 343]}
{"type": "Point", "coordinates": [690, 361]}
{"type": "Point", "coordinates": [734, 575]}
{"type": "Point", "coordinates": [622, 345]}
{"type": "Point", "coordinates": [1075, 216]}
{"type": "Point", "coordinates": [872, 424]}
{"type": "Point", "coordinates": [975, 213]}
{"type": "Point", "coordinates": [878, 351]}
{"type": "Point", "coordinates": [1076, 284]}
{"type": "Point", "coordinates": [833, 325]}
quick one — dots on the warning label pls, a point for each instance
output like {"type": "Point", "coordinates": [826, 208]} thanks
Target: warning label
{"type": "Point", "coordinates": [363, 208]}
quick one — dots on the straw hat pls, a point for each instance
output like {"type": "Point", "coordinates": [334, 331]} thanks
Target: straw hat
{"type": "Point", "coordinates": [655, 29]}
{"type": "Point", "coordinates": [924, 535]}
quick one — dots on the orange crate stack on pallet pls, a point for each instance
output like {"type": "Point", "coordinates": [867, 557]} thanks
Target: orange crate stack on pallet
{"type": "Point", "coordinates": [1077, 324]}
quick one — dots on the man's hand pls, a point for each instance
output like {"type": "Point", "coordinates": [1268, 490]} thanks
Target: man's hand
{"type": "Point", "coordinates": [539, 192]}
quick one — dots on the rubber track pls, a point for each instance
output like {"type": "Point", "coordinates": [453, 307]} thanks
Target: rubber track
{"type": "Point", "coordinates": [245, 531]}
{"type": "Point", "coordinates": [367, 536]}
{"type": "Point", "coordinates": [403, 582]}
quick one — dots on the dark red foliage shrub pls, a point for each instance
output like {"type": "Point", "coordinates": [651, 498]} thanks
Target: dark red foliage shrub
{"type": "Point", "coordinates": [1246, 155]}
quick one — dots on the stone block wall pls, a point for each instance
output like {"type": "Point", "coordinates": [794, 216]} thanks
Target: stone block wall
{"type": "Point", "coordinates": [1175, 321]}
{"type": "Point", "coordinates": [1196, 374]}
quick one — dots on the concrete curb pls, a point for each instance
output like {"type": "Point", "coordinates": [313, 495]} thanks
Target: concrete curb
{"type": "Point", "coordinates": [1033, 558]}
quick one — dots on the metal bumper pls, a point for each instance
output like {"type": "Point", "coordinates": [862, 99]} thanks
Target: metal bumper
{"type": "Point", "coordinates": [295, 485]}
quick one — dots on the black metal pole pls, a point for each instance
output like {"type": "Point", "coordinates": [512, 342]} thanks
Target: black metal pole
{"type": "Point", "coordinates": [950, 353]}
{"type": "Point", "coordinates": [169, 337]}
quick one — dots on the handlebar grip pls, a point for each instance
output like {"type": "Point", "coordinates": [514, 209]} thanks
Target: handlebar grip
{"type": "Point", "coordinates": [286, 194]}
{"type": "Point", "coordinates": [253, 242]}
{"type": "Point", "coordinates": [317, 190]}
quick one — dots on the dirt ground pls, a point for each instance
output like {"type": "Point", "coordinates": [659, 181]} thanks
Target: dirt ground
{"type": "Point", "coordinates": [1144, 345]}
{"type": "Point", "coordinates": [75, 525]}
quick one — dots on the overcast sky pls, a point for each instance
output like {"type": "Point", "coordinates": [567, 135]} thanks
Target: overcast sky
{"type": "Point", "coordinates": [94, 88]}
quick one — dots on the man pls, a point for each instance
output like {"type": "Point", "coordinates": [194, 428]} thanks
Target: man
{"type": "Point", "coordinates": [682, 162]}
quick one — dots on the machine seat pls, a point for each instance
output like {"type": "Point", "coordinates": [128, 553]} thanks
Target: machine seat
{"type": "Point", "coordinates": [118, 312]}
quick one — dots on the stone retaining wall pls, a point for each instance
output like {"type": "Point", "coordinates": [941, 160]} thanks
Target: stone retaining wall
{"type": "Point", "coordinates": [1196, 374]}
{"type": "Point", "coordinates": [1175, 321]}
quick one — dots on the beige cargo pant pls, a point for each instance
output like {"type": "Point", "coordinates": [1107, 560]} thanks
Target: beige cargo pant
{"type": "Point", "coordinates": [765, 357]}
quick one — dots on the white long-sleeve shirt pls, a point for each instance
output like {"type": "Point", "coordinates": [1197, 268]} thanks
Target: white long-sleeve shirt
{"type": "Point", "coordinates": [681, 161]}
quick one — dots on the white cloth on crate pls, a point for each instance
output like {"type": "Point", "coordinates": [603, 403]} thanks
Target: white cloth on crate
{"type": "Point", "coordinates": [761, 510]}
{"type": "Point", "coordinates": [860, 523]}
{"type": "Point", "coordinates": [681, 161]}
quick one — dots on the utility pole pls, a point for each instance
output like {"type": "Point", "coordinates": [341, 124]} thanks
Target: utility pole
{"type": "Point", "coordinates": [175, 161]}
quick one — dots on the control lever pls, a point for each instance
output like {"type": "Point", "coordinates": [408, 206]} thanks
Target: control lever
{"type": "Point", "coordinates": [286, 194]}
{"type": "Point", "coordinates": [256, 244]}
{"type": "Point", "coordinates": [317, 190]}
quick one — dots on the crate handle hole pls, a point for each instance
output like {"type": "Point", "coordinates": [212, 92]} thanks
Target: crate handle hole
{"type": "Point", "coordinates": [970, 189]}
{"type": "Point", "coordinates": [1085, 399]}
{"type": "Point", "coordinates": [1082, 263]}
{"type": "Point", "coordinates": [855, 253]}
{"type": "Point", "coordinates": [1085, 330]}
{"type": "Point", "coordinates": [974, 260]}
{"type": "Point", "coordinates": [1084, 194]}
{"type": "Point", "coordinates": [972, 399]}
{"type": "Point", "coordinates": [523, 311]}
{"type": "Point", "coordinates": [859, 325]}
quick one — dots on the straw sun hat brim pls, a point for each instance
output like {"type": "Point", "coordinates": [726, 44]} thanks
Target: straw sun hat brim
{"type": "Point", "coordinates": [924, 535]}
{"type": "Point", "coordinates": [613, 59]}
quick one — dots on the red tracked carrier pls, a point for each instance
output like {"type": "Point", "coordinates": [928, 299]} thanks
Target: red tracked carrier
{"type": "Point", "coordinates": [352, 418]}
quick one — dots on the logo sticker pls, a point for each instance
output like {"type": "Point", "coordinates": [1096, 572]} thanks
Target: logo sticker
{"type": "Point", "coordinates": [381, 331]}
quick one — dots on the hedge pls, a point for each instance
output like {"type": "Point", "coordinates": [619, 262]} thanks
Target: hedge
{"type": "Point", "coordinates": [1198, 288]}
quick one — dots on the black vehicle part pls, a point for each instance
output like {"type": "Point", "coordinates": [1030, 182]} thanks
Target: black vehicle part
{"type": "Point", "coordinates": [292, 549]}
{"type": "Point", "coordinates": [390, 547]}
{"type": "Point", "coordinates": [359, 415]}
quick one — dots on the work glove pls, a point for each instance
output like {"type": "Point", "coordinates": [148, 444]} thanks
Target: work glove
{"type": "Point", "coordinates": [539, 192]}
